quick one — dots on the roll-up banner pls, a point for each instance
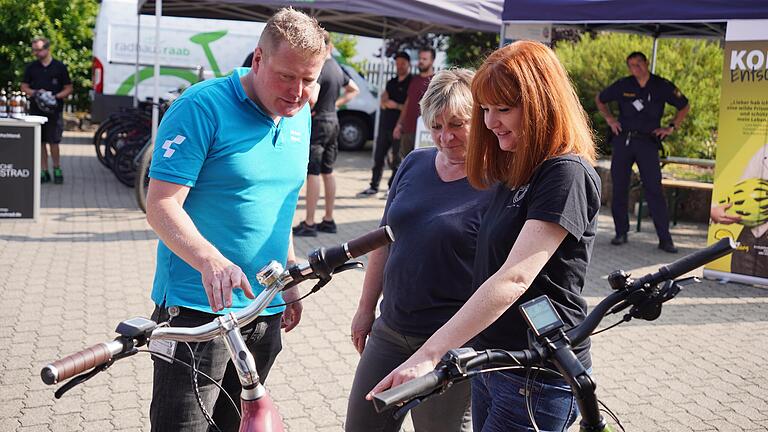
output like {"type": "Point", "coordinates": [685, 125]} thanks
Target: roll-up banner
{"type": "Point", "coordinates": [740, 196]}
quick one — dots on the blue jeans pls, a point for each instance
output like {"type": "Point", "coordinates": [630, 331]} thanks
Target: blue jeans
{"type": "Point", "coordinates": [498, 403]}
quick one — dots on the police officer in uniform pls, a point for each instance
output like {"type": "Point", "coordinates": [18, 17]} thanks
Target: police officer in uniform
{"type": "Point", "coordinates": [636, 138]}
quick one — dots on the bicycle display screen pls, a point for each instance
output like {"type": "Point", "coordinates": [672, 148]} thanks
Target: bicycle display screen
{"type": "Point", "coordinates": [541, 315]}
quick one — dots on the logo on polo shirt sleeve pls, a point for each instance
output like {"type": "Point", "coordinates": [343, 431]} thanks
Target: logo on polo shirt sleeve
{"type": "Point", "coordinates": [168, 143]}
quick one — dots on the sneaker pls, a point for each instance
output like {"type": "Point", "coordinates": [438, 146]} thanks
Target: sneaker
{"type": "Point", "coordinates": [58, 177]}
{"type": "Point", "coordinates": [668, 246]}
{"type": "Point", "coordinates": [45, 176]}
{"type": "Point", "coordinates": [304, 230]}
{"type": "Point", "coordinates": [619, 239]}
{"type": "Point", "coordinates": [370, 192]}
{"type": "Point", "coordinates": [327, 226]}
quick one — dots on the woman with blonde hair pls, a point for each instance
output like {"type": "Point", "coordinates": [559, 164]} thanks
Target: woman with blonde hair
{"type": "Point", "coordinates": [530, 142]}
{"type": "Point", "coordinates": [426, 275]}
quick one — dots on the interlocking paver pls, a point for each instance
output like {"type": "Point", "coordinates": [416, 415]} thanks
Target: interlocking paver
{"type": "Point", "coordinates": [88, 263]}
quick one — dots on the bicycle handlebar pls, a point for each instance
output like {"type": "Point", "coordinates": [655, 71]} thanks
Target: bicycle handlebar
{"type": "Point", "coordinates": [81, 361]}
{"type": "Point", "coordinates": [326, 261]}
{"type": "Point", "coordinates": [433, 381]}
{"type": "Point", "coordinates": [689, 262]}
{"type": "Point", "coordinates": [421, 386]}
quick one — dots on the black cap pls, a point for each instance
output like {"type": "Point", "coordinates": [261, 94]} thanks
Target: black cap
{"type": "Point", "coordinates": [403, 55]}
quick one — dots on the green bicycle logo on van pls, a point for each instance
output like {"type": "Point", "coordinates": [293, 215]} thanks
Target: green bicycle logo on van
{"type": "Point", "coordinates": [204, 40]}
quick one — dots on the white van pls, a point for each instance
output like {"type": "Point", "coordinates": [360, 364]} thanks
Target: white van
{"type": "Point", "coordinates": [191, 50]}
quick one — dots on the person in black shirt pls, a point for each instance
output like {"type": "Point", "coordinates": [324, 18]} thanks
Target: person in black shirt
{"type": "Point", "coordinates": [531, 143]}
{"type": "Point", "coordinates": [47, 74]}
{"type": "Point", "coordinates": [392, 102]}
{"type": "Point", "coordinates": [636, 138]}
{"type": "Point", "coordinates": [323, 145]}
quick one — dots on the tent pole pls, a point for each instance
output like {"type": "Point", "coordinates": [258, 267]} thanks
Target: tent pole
{"type": "Point", "coordinates": [380, 84]}
{"type": "Point", "coordinates": [155, 95]}
{"type": "Point", "coordinates": [653, 53]}
{"type": "Point", "coordinates": [136, 71]}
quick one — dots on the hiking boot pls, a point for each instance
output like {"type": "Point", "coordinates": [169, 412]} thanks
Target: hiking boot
{"type": "Point", "coordinates": [619, 239]}
{"type": "Point", "coordinates": [304, 230]}
{"type": "Point", "coordinates": [58, 177]}
{"type": "Point", "coordinates": [668, 246]}
{"type": "Point", "coordinates": [45, 176]}
{"type": "Point", "coordinates": [370, 192]}
{"type": "Point", "coordinates": [327, 226]}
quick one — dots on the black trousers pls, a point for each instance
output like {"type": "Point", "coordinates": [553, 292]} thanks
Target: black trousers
{"type": "Point", "coordinates": [174, 406]}
{"type": "Point", "coordinates": [384, 143]}
{"type": "Point", "coordinates": [643, 149]}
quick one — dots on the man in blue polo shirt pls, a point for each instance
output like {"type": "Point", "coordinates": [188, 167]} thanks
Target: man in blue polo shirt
{"type": "Point", "coordinates": [230, 158]}
{"type": "Point", "coordinates": [636, 138]}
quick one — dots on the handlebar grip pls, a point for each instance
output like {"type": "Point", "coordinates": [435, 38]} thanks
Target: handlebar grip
{"type": "Point", "coordinates": [690, 262]}
{"type": "Point", "coordinates": [76, 363]}
{"type": "Point", "coordinates": [370, 241]}
{"type": "Point", "coordinates": [420, 386]}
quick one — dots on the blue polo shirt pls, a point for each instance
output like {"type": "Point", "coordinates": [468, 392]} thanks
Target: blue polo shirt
{"type": "Point", "coordinates": [244, 174]}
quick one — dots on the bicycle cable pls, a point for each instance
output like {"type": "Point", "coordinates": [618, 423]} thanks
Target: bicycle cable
{"type": "Point", "coordinates": [622, 321]}
{"type": "Point", "coordinates": [528, 392]}
{"type": "Point", "coordinates": [183, 363]}
{"type": "Point", "coordinates": [611, 413]}
{"type": "Point", "coordinates": [200, 404]}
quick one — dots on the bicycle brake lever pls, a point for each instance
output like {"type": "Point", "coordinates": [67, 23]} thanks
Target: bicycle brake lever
{"type": "Point", "coordinates": [81, 379]}
{"type": "Point", "coordinates": [349, 266]}
{"type": "Point", "coordinates": [409, 406]}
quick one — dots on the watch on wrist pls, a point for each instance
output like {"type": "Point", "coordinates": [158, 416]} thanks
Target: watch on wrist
{"type": "Point", "coordinates": [672, 125]}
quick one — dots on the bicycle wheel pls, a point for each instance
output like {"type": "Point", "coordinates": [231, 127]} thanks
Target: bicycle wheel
{"type": "Point", "coordinates": [123, 164]}
{"type": "Point", "coordinates": [142, 175]}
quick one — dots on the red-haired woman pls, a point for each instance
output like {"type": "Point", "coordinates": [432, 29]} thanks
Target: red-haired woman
{"type": "Point", "coordinates": [530, 141]}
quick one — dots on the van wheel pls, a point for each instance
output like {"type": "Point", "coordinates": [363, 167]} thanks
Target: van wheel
{"type": "Point", "coordinates": [353, 133]}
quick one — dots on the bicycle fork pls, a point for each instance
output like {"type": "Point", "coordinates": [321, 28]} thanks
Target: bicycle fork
{"type": "Point", "coordinates": [258, 412]}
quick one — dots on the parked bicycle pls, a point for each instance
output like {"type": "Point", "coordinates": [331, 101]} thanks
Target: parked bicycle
{"type": "Point", "coordinates": [258, 413]}
{"type": "Point", "coordinates": [551, 343]}
{"type": "Point", "coordinates": [121, 139]}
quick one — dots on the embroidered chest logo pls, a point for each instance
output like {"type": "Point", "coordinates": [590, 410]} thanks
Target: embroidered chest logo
{"type": "Point", "coordinates": [168, 143]}
{"type": "Point", "coordinates": [295, 136]}
{"type": "Point", "coordinates": [520, 194]}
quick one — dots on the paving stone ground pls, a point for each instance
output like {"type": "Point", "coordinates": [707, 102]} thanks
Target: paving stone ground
{"type": "Point", "coordinates": [69, 278]}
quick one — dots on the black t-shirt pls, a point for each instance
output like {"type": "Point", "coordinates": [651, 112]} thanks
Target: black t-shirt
{"type": "Point", "coordinates": [564, 190]}
{"type": "Point", "coordinates": [52, 78]}
{"type": "Point", "coordinates": [331, 80]}
{"type": "Point", "coordinates": [641, 108]}
{"type": "Point", "coordinates": [398, 92]}
{"type": "Point", "coordinates": [428, 274]}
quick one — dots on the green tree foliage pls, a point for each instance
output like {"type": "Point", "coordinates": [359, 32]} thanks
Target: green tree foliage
{"type": "Point", "coordinates": [346, 45]}
{"type": "Point", "coordinates": [67, 23]}
{"type": "Point", "coordinates": [469, 49]}
{"type": "Point", "coordinates": [695, 66]}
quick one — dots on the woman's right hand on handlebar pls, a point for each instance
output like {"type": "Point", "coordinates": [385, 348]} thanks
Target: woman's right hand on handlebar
{"type": "Point", "coordinates": [361, 326]}
{"type": "Point", "coordinates": [220, 276]}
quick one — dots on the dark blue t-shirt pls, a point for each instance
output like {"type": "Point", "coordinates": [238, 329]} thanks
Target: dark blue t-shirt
{"type": "Point", "coordinates": [428, 275]}
{"type": "Point", "coordinates": [641, 108]}
{"type": "Point", "coordinates": [564, 190]}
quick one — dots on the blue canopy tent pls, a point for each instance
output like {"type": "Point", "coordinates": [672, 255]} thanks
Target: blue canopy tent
{"type": "Point", "coordinates": [678, 18]}
{"type": "Point", "coordinates": [657, 18]}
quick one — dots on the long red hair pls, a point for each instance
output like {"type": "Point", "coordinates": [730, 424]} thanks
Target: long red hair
{"type": "Point", "coordinates": [529, 75]}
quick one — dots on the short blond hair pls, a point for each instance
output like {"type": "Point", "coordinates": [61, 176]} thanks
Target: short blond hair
{"type": "Point", "coordinates": [300, 31]}
{"type": "Point", "coordinates": [449, 92]}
